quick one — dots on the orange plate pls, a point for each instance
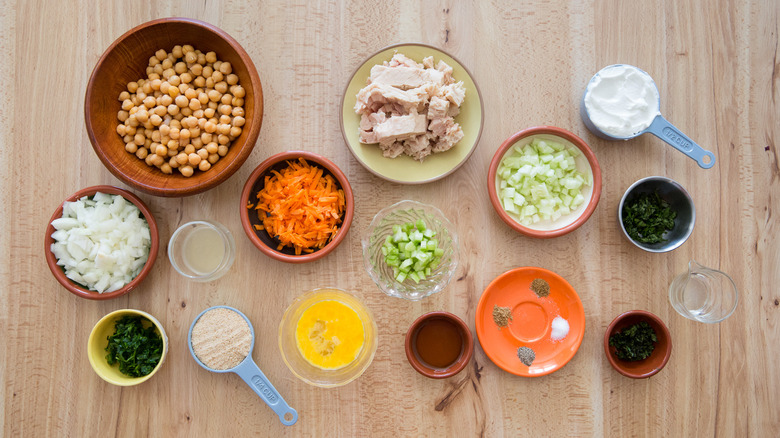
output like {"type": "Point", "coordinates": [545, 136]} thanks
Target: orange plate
{"type": "Point", "coordinates": [531, 323]}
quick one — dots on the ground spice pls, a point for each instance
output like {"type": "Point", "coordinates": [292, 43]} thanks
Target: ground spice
{"type": "Point", "coordinates": [221, 339]}
{"type": "Point", "coordinates": [540, 287]}
{"type": "Point", "coordinates": [526, 356]}
{"type": "Point", "coordinates": [502, 316]}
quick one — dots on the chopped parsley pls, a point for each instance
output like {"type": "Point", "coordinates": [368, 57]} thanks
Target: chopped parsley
{"type": "Point", "coordinates": [635, 342]}
{"type": "Point", "coordinates": [647, 218]}
{"type": "Point", "coordinates": [137, 349]}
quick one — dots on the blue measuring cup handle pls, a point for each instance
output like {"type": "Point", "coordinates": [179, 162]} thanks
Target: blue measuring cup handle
{"type": "Point", "coordinates": [250, 372]}
{"type": "Point", "coordinates": [664, 130]}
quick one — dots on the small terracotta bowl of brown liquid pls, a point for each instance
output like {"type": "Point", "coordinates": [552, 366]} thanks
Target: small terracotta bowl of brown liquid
{"type": "Point", "coordinates": [439, 345]}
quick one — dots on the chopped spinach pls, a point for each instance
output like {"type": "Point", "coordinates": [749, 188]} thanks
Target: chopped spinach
{"type": "Point", "coordinates": [647, 217]}
{"type": "Point", "coordinates": [634, 343]}
{"type": "Point", "coordinates": [137, 349]}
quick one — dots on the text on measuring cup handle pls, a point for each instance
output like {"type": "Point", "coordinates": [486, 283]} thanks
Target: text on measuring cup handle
{"type": "Point", "coordinates": [269, 393]}
{"type": "Point", "coordinates": [678, 139]}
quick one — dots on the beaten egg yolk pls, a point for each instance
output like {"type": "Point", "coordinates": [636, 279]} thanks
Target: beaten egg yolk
{"type": "Point", "coordinates": [330, 335]}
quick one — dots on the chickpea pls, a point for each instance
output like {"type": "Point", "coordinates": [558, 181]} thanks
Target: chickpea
{"type": "Point", "coordinates": [193, 159]}
{"type": "Point", "coordinates": [156, 136]}
{"type": "Point", "coordinates": [166, 168]}
{"type": "Point", "coordinates": [155, 120]}
{"type": "Point", "coordinates": [174, 133]}
{"type": "Point", "coordinates": [175, 123]}
{"type": "Point", "coordinates": [186, 112]}
{"type": "Point", "coordinates": [175, 80]}
{"type": "Point", "coordinates": [181, 101]}
{"type": "Point", "coordinates": [207, 72]}
{"type": "Point", "coordinates": [174, 92]}
{"type": "Point", "coordinates": [161, 150]}
{"type": "Point", "coordinates": [199, 115]}
{"type": "Point", "coordinates": [157, 160]}
{"type": "Point", "coordinates": [127, 104]}
{"type": "Point", "coordinates": [223, 139]}
{"type": "Point", "coordinates": [141, 153]}
{"type": "Point", "coordinates": [186, 49]}
{"type": "Point", "coordinates": [237, 102]}
{"type": "Point", "coordinates": [220, 85]}
{"type": "Point", "coordinates": [161, 111]}
{"type": "Point", "coordinates": [209, 113]}
{"type": "Point", "coordinates": [132, 87]}
{"type": "Point", "coordinates": [190, 58]}
{"type": "Point", "coordinates": [155, 84]}
{"type": "Point", "coordinates": [150, 102]}
{"type": "Point", "coordinates": [235, 132]}
{"type": "Point", "coordinates": [124, 96]}
{"type": "Point", "coordinates": [186, 171]}
{"type": "Point", "coordinates": [211, 148]}
{"type": "Point", "coordinates": [186, 77]}
{"type": "Point", "coordinates": [211, 57]}
{"type": "Point", "coordinates": [222, 150]}
{"type": "Point", "coordinates": [210, 127]}
{"type": "Point", "coordinates": [142, 116]}
{"type": "Point", "coordinates": [173, 109]}
{"type": "Point", "coordinates": [173, 145]}
{"type": "Point", "coordinates": [147, 143]}
{"type": "Point", "coordinates": [189, 149]}
{"type": "Point", "coordinates": [148, 87]}
{"type": "Point", "coordinates": [196, 142]}
{"type": "Point", "coordinates": [225, 68]}
{"type": "Point", "coordinates": [210, 83]}
{"type": "Point", "coordinates": [131, 147]}
{"type": "Point", "coordinates": [128, 138]}
{"type": "Point", "coordinates": [195, 131]}
{"type": "Point", "coordinates": [173, 162]}
{"type": "Point", "coordinates": [194, 104]}
{"type": "Point", "coordinates": [225, 109]}
{"type": "Point", "coordinates": [182, 158]}
{"type": "Point", "coordinates": [184, 133]}
{"type": "Point", "coordinates": [148, 160]}
{"type": "Point", "coordinates": [203, 154]}
{"type": "Point", "coordinates": [180, 67]}
{"type": "Point", "coordinates": [177, 51]}
{"type": "Point", "coordinates": [154, 76]}
{"type": "Point", "coordinates": [213, 158]}
{"type": "Point", "coordinates": [131, 121]}
{"type": "Point", "coordinates": [204, 165]}
{"type": "Point", "coordinates": [199, 81]}
{"type": "Point", "coordinates": [223, 129]}
{"type": "Point", "coordinates": [196, 69]}
{"type": "Point", "coordinates": [226, 99]}
{"type": "Point", "coordinates": [231, 79]}
{"type": "Point", "coordinates": [201, 58]}
{"type": "Point", "coordinates": [238, 121]}
{"type": "Point", "coordinates": [224, 119]}
{"type": "Point", "coordinates": [203, 98]}
{"type": "Point", "coordinates": [122, 115]}
{"type": "Point", "coordinates": [139, 96]}
{"type": "Point", "coordinates": [166, 100]}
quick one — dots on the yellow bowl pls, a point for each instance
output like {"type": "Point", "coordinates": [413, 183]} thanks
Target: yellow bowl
{"type": "Point", "coordinates": [404, 169]}
{"type": "Point", "coordinates": [96, 348]}
{"type": "Point", "coordinates": [300, 366]}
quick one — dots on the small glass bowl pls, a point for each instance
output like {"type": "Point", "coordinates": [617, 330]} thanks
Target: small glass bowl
{"type": "Point", "coordinates": [300, 366]}
{"type": "Point", "coordinates": [382, 226]}
{"type": "Point", "coordinates": [177, 250]}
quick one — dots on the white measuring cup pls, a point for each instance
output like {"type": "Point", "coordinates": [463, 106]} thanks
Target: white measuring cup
{"type": "Point", "coordinates": [250, 372]}
{"type": "Point", "coordinates": [660, 127]}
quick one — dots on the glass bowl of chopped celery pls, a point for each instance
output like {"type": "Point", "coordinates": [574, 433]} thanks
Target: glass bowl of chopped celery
{"type": "Point", "coordinates": [410, 250]}
{"type": "Point", "coordinates": [656, 214]}
{"type": "Point", "coordinates": [544, 182]}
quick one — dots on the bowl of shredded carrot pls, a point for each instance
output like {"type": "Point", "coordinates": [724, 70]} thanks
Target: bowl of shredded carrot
{"type": "Point", "coordinates": [296, 206]}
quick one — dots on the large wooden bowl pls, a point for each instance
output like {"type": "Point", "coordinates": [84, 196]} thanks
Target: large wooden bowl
{"type": "Point", "coordinates": [126, 61]}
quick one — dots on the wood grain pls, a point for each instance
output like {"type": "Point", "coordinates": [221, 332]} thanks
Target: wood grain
{"type": "Point", "coordinates": [716, 66]}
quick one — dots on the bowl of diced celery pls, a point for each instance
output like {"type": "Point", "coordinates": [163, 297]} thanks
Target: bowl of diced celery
{"type": "Point", "coordinates": [410, 250]}
{"type": "Point", "coordinates": [544, 182]}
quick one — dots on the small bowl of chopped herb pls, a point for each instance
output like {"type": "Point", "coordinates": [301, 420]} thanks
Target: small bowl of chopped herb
{"type": "Point", "coordinates": [637, 344]}
{"type": "Point", "coordinates": [656, 214]}
{"type": "Point", "coordinates": [127, 347]}
{"type": "Point", "coordinates": [410, 250]}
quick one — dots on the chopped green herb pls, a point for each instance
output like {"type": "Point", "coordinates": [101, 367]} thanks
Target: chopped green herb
{"type": "Point", "coordinates": [647, 217]}
{"type": "Point", "coordinates": [137, 349]}
{"type": "Point", "coordinates": [634, 343]}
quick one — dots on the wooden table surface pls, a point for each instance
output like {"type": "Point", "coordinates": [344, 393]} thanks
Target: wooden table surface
{"type": "Point", "coordinates": [716, 66]}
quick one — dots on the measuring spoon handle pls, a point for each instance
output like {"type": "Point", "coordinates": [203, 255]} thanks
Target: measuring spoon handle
{"type": "Point", "coordinates": [250, 372]}
{"type": "Point", "coordinates": [664, 130]}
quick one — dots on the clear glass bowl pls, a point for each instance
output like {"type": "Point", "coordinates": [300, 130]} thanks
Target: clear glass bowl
{"type": "Point", "coordinates": [300, 366]}
{"type": "Point", "coordinates": [382, 226]}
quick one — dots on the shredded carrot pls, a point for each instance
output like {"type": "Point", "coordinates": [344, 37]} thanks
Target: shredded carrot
{"type": "Point", "coordinates": [300, 206]}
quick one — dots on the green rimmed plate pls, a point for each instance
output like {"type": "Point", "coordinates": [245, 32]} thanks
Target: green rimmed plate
{"type": "Point", "coordinates": [404, 169]}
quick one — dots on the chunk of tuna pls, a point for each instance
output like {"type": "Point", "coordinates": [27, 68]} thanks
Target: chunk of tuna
{"type": "Point", "coordinates": [400, 127]}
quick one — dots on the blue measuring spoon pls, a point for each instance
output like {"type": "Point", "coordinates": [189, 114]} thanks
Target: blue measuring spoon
{"type": "Point", "coordinates": [250, 372]}
{"type": "Point", "coordinates": [660, 127]}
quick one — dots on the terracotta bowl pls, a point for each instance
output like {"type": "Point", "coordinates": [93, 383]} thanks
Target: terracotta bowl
{"type": "Point", "coordinates": [80, 290]}
{"type": "Point", "coordinates": [467, 348]}
{"type": "Point", "coordinates": [249, 217]}
{"type": "Point", "coordinates": [126, 61]}
{"type": "Point", "coordinates": [656, 361]}
{"type": "Point", "coordinates": [585, 162]}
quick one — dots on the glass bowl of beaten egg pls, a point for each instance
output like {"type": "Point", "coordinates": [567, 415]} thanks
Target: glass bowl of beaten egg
{"type": "Point", "coordinates": [327, 337]}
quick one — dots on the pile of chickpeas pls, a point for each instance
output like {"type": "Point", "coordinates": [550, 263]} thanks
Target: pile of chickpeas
{"type": "Point", "coordinates": [185, 114]}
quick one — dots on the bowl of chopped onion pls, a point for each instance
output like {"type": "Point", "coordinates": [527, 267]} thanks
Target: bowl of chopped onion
{"type": "Point", "coordinates": [296, 206]}
{"type": "Point", "coordinates": [101, 242]}
{"type": "Point", "coordinates": [410, 250]}
{"type": "Point", "coordinates": [544, 182]}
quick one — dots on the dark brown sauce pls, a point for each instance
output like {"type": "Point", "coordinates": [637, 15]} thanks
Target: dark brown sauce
{"type": "Point", "coordinates": [438, 343]}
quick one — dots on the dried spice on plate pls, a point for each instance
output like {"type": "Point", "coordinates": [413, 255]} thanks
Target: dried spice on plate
{"type": "Point", "coordinates": [502, 316]}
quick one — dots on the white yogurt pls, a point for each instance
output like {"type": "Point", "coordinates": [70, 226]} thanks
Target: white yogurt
{"type": "Point", "coordinates": [622, 100]}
